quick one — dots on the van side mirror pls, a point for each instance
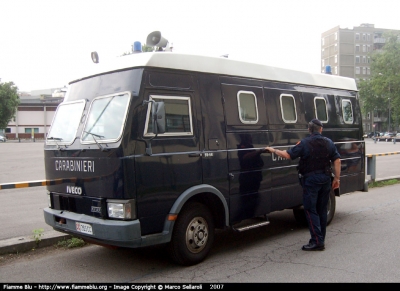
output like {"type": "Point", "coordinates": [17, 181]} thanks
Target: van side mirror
{"type": "Point", "coordinates": [158, 117]}
{"type": "Point", "coordinates": [157, 122]}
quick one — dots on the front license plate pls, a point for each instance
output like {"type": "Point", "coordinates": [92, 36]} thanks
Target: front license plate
{"type": "Point", "coordinates": [84, 227]}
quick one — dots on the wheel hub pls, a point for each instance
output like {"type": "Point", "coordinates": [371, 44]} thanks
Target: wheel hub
{"type": "Point", "coordinates": [196, 234]}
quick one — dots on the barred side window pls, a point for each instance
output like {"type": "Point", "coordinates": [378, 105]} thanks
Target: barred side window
{"type": "Point", "coordinates": [247, 106]}
{"type": "Point", "coordinates": [347, 111]}
{"type": "Point", "coordinates": [288, 108]}
{"type": "Point", "coordinates": [321, 111]}
{"type": "Point", "coordinates": [178, 116]}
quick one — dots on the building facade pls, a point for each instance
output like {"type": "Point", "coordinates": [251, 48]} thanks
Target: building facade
{"type": "Point", "coordinates": [34, 114]}
{"type": "Point", "coordinates": [347, 52]}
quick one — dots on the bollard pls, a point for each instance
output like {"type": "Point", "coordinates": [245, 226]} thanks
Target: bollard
{"type": "Point", "coordinates": [394, 140]}
{"type": "Point", "coordinates": [371, 167]}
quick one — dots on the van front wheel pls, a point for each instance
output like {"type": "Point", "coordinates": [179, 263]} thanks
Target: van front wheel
{"type": "Point", "coordinates": [193, 235]}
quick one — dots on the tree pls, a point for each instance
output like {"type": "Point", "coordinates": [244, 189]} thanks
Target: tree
{"type": "Point", "coordinates": [9, 101]}
{"type": "Point", "coordinates": [382, 91]}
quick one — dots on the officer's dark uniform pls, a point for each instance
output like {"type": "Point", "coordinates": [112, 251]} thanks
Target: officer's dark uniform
{"type": "Point", "coordinates": [316, 154]}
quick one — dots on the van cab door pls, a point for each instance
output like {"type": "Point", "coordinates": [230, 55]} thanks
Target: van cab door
{"type": "Point", "coordinates": [175, 161]}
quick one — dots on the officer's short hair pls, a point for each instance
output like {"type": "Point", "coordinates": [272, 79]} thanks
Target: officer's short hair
{"type": "Point", "coordinates": [314, 125]}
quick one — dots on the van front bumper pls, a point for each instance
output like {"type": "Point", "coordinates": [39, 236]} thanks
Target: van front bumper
{"type": "Point", "coordinates": [111, 232]}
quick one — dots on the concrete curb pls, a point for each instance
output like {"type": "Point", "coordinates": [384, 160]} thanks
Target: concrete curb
{"type": "Point", "coordinates": [26, 243]}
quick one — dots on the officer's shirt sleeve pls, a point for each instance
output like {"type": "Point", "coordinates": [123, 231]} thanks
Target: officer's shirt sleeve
{"type": "Point", "coordinates": [296, 151]}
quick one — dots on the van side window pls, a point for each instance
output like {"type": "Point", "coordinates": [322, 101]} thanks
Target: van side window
{"type": "Point", "coordinates": [288, 108]}
{"type": "Point", "coordinates": [247, 105]}
{"type": "Point", "coordinates": [321, 111]}
{"type": "Point", "coordinates": [178, 115]}
{"type": "Point", "coordinates": [347, 111]}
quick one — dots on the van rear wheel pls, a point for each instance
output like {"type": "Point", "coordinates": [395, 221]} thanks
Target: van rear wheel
{"type": "Point", "coordinates": [300, 216]}
{"type": "Point", "coordinates": [193, 235]}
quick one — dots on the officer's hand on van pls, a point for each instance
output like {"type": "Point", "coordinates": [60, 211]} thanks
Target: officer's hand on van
{"type": "Point", "coordinates": [269, 149]}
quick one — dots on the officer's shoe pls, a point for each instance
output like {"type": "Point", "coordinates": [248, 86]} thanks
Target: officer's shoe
{"type": "Point", "coordinates": [313, 247]}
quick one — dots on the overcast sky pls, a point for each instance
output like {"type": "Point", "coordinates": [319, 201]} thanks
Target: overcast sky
{"type": "Point", "coordinates": [47, 43]}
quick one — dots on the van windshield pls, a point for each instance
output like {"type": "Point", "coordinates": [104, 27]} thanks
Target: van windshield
{"type": "Point", "coordinates": [106, 118]}
{"type": "Point", "coordinates": [65, 124]}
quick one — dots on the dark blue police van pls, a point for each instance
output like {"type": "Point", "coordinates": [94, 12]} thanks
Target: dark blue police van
{"type": "Point", "coordinates": [164, 148]}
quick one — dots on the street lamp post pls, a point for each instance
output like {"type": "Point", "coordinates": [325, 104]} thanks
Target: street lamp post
{"type": "Point", "coordinates": [389, 115]}
{"type": "Point", "coordinates": [389, 103]}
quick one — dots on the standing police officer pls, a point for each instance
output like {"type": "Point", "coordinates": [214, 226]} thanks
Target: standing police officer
{"type": "Point", "coordinates": [316, 153]}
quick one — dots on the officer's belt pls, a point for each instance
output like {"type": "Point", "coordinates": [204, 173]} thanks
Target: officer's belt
{"type": "Point", "coordinates": [313, 173]}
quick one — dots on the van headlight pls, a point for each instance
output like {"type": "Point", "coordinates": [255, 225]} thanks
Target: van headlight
{"type": "Point", "coordinates": [48, 199]}
{"type": "Point", "coordinates": [121, 209]}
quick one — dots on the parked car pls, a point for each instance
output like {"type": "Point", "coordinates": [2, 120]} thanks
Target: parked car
{"type": "Point", "coordinates": [371, 134]}
{"type": "Point", "coordinates": [3, 138]}
{"type": "Point", "coordinates": [386, 136]}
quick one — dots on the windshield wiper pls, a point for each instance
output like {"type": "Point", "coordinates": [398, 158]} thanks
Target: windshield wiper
{"type": "Point", "coordinates": [99, 145]}
{"type": "Point", "coordinates": [57, 139]}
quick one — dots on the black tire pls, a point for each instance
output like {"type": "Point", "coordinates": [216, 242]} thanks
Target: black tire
{"type": "Point", "coordinates": [193, 235]}
{"type": "Point", "coordinates": [331, 207]}
{"type": "Point", "coordinates": [300, 216]}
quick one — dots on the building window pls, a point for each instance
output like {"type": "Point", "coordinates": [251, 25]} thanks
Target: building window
{"type": "Point", "coordinates": [323, 41]}
{"type": "Point", "coordinates": [368, 37]}
{"type": "Point", "coordinates": [32, 131]}
{"type": "Point", "coordinates": [357, 36]}
{"type": "Point", "coordinates": [323, 52]}
{"type": "Point", "coordinates": [335, 47]}
{"type": "Point", "coordinates": [364, 37]}
{"type": "Point", "coordinates": [335, 59]}
{"type": "Point", "coordinates": [368, 48]}
{"type": "Point", "coordinates": [323, 63]}
{"type": "Point", "coordinates": [364, 48]}
{"type": "Point", "coordinates": [335, 35]}
{"type": "Point", "coordinates": [336, 72]}
{"type": "Point", "coordinates": [357, 59]}
{"type": "Point", "coordinates": [368, 115]}
{"type": "Point", "coordinates": [357, 48]}
{"type": "Point", "coordinates": [368, 60]}
{"type": "Point", "coordinates": [357, 70]}
{"type": "Point", "coordinates": [368, 71]}
{"type": "Point", "coordinates": [364, 59]}
{"type": "Point", "coordinates": [364, 70]}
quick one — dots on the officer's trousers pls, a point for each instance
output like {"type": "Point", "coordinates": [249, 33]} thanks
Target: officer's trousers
{"type": "Point", "coordinates": [316, 189]}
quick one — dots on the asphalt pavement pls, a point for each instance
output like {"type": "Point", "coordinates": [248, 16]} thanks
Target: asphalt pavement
{"type": "Point", "coordinates": [23, 161]}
